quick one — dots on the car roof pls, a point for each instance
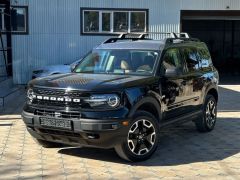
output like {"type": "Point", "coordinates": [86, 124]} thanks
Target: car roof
{"type": "Point", "coordinates": [187, 44]}
{"type": "Point", "coordinates": [139, 44]}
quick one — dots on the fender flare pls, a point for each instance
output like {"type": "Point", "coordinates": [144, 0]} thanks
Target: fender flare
{"type": "Point", "coordinates": [147, 100]}
{"type": "Point", "coordinates": [209, 88]}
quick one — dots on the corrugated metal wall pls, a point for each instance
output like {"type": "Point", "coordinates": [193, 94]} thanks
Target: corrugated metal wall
{"type": "Point", "coordinates": [54, 28]}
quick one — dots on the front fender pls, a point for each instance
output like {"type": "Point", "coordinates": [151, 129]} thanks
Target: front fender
{"type": "Point", "coordinates": [208, 87]}
{"type": "Point", "coordinates": [138, 97]}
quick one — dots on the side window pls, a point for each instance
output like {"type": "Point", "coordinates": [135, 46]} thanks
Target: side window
{"type": "Point", "coordinates": [191, 58]}
{"type": "Point", "coordinates": [172, 59]}
{"type": "Point", "coordinates": [204, 58]}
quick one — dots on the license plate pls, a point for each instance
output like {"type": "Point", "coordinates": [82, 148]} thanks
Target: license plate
{"type": "Point", "coordinates": [56, 123]}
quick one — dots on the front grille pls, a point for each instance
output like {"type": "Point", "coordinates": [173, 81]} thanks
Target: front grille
{"type": "Point", "coordinates": [56, 103]}
{"type": "Point", "coordinates": [59, 93]}
{"type": "Point", "coordinates": [65, 115]}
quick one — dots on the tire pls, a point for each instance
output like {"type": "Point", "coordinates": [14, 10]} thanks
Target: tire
{"type": "Point", "coordinates": [142, 138]}
{"type": "Point", "coordinates": [208, 119]}
{"type": "Point", "coordinates": [48, 144]}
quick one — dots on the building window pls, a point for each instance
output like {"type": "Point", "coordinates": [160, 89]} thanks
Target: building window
{"type": "Point", "coordinates": [112, 21]}
{"type": "Point", "coordinates": [120, 22]}
{"type": "Point", "coordinates": [19, 20]}
{"type": "Point", "coordinates": [1, 20]}
{"type": "Point", "coordinates": [91, 21]}
{"type": "Point", "coordinates": [19, 17]}
{"type": "Point", "coordinates": [106, 22]}
{"type": "Point", "coordinates": [138, 21]}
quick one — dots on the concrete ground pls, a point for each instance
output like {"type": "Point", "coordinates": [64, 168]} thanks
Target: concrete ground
{"type": "Point", "coordinates": [183, 153]}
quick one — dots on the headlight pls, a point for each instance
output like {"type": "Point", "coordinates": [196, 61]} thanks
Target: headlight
{"type": "Point", "coordinates": [109, 100]}
{"type": "Point", "coordinates": [30, 95]}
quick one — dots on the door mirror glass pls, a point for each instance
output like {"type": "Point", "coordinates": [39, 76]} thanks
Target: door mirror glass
{"type": "Point", "coordinates": [74, 65]}
{"type": "Point", "coordinates": [172, 72]}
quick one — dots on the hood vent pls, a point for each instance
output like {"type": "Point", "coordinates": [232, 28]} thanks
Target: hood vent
{"type": "Point", "coordinates": [73, 81]}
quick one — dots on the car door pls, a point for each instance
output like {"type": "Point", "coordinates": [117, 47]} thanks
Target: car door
{"type": "Point", "coordinates": [193, 78]}
{"type": "Point", "coordinates": [174, 90]}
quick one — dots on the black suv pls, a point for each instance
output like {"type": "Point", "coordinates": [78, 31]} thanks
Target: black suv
{"type": "Point", "coordinates": [123, 92]}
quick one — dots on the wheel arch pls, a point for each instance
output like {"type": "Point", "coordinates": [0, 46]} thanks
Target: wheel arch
{"type": "Point", "coordinates": [149, 104]}
{"type": "Point", "coordinates": [213, 92]}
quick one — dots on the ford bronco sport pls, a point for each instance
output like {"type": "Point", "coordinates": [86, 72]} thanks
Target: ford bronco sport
{"type": "Point", "coordinates": [123, 92]}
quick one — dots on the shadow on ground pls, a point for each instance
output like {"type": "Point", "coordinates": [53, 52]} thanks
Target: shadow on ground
{"type": "Point", "coordinates": [183, 144]}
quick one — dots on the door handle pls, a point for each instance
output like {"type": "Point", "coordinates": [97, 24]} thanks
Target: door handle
{"type": "Point", "coordinates": [184, 83]}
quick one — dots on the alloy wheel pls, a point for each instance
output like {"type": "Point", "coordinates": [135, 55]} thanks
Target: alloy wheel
{"type": "Point", "coordinates": [141, 137]}
{"type": "Point", "coordinates": [210, 113]}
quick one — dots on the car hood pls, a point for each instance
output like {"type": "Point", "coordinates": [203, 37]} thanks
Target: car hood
{"type": "Point", "coordinates": [55, 68]}
{"type": "Point", "coordinates": [92, 82]}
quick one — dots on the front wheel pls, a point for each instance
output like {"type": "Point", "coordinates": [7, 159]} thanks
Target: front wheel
{"type": "Point", "coordinates": [142, 138]}
{"type": "Point", "coordinates": [208, 120]}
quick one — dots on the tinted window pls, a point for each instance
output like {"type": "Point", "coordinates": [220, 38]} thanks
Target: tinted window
{"type": "Point", "coordinates": [172, 59]}
{"type": "Point", "coordinates": [191, 58]}
{"type": "Point", "coordinates": [204, 58]}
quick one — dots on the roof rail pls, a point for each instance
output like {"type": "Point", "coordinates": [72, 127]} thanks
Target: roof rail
{"type": "Point", "coordinates": [183, 35]}
{"type": "Point", "coordinates": [138, 36]}
{"type": "Point", "coordinates": [172, 34]}
{"type": "Point", "coordinates": [135, 35]}
{"type": "Point", "coordinates": [143, 35]}
{"type": "Point", "coordinates": [123, 36]}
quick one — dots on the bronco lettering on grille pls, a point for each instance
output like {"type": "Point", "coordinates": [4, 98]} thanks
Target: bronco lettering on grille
{"type": "Point", "coordinates": [52, 98]}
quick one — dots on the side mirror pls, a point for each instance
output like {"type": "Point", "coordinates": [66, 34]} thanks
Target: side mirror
{"type": "Point", "coordinates": [74, 65]}
{"type": "Point", "coordinates": [172, 72]}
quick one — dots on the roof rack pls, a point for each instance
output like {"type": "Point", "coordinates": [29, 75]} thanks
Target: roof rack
{"type": "Point", "coordinates": [171, 34]}
{"type": "Point", "coordinates": [173, 37]}
{"type": "Point", "coordinates": [123, 36]}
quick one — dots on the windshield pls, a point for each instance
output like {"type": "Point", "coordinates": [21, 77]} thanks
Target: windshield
{"type": "Point", "coordinates": [136, 62]}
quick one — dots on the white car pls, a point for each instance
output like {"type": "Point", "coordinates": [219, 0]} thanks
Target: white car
{"type": "Point", "coordinates": [54, 69]}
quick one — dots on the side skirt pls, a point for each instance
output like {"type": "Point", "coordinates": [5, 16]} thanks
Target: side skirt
{"type": "Point", "coordinates": [182, 119]}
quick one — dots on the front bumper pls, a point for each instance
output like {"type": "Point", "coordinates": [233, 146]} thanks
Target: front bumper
{"type": "Point", "coordinates": [85, 132]}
